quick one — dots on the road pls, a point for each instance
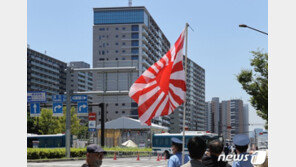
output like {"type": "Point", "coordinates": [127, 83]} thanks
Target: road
{"type": "Point", "coordinates": [120, 162]}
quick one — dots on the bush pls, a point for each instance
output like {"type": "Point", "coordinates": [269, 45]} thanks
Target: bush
{"type": "Point", "coordinates": [50, 153]}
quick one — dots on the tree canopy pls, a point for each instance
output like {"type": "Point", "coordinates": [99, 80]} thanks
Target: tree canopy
{"type": "Point", "coordinates": [255, 83]}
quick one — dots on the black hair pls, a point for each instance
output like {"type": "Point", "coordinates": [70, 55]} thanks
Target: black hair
{"type": "Point", "coordinates": [196, 147]}
{"type": "Point", "coordinates": [241, 149]}
{"type": "Point", "coordinates": [216, 147]}
{"type": "Point", "coordinates": [178, 146]}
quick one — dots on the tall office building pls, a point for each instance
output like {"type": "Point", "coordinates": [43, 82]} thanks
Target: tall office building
{"type": "Point", "coordinates": [125, 37]}
{"type": "Point", "coordinates": [45, 73]}
{"type": "Point", "coordinates": [208, 117]}
{"type": "Point", "coordinates": [195, 101]}
{"type": "Point", "coordinates": [246, 119]}
{"type": "Point", "coordinates": [215, 114]}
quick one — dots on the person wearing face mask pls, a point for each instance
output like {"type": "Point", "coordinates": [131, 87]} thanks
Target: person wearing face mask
{"type": "Point", "coordinates": [176, 159]}
{"type": "Point", "coordinates": [94, 156]}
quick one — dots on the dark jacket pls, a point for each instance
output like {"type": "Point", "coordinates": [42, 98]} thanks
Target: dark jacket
{"type": "Point", "coordinates": [212, 161]}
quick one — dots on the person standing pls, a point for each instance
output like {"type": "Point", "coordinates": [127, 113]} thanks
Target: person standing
{"type": "Point", "coordinates": [211, 160]}
{"type": "Point", "coordinates": [94, 156]}
{"type": "Point", "coordinates": [241, 143]}
{"type": "Point", "coordinates": [176, 159]}
{"type": "Point", "coordinates": [226, 149]}
{"type": "Point", "coordinates": [196, 147]}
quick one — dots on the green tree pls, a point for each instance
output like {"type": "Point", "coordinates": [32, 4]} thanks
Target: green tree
{"type": "Point", "coordinates": [75, 122]}
{"type": "Point", "coordinates": [255, 83]}
{"type": "Point", "coordinates": [47, 123]}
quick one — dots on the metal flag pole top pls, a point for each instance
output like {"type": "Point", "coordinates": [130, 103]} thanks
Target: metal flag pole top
{"type": "Point", "coordinates": [184, 104]}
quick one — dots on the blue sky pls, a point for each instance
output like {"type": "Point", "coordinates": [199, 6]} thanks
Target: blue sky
{"type": "Point", "coordinates": [64, 30]}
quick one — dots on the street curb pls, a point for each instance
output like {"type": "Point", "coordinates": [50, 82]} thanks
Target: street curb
{"type": "Point", "coordinates": [69, 159]}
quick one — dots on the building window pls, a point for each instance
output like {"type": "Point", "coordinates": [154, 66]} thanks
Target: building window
{"type": "Point", "coordinates": [123, 58]}
{"type": "Point", "coordinates": [103, 52]}
{"type": "Point", "coordinates": [116, 104]}
{"type": "Point", "coordinates": [116, 36]}
{"type": "Point", "coordinates": [116, 43]}
{"type": "Point", "coordinates": [102, 29]}
{"type": "Point", "coordinates": [135, 57]}
{"type": "Point", "coordinates": [123, 43]}
{"type": "Point", "coordinates": [116, 58]}
{"type": "Point", "coordinates": [135, 43]}
{"type": "Point", "coordinates": [116, 28]}
{"type": "Point", "coordinates": [135, 27]}
{"type": "Point", "coordinates": [123, 28]}
{"type": "Point", "coordinates": [123, 36]}
{"type": "Point", "coordinates": [123, 51]}
{"type": "Point", "coordinates": [123, 112]}
{"type": "Point", "coordinates": [123, 104]}
{"type": "Point", "coordinates": [135, 50]}
{"type": "Point", "coordinates": [101, 59]}
{"type": "Point", "coordinates": [135, 35]}
{"type": "Point", "coordinates": [116, 51]}
{"type": "Point", "coordinates": [116, 112]}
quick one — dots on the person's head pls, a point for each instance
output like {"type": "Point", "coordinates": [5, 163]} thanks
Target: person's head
{"type": "Point", "coordinates": [215, 147]}
{"type": "Point", "coordinates": [241, 143]}
{"type": "Point", "coordinates": [227, 144]}
{"type": "Point", "coordinates": [94, 155]}
{"type": "Point", "coordinates": [196, 147]}
{"type": "Point", "coordinates": [176, 145]}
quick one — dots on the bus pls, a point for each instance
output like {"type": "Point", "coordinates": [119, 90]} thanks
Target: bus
{"type": "Point", "coordinates": [47, 141]}
{"type": "Point", "coordinates": [162, 142]}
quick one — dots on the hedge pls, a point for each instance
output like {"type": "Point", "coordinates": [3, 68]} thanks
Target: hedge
{"type": "Point", "coordinates": [50, 153]}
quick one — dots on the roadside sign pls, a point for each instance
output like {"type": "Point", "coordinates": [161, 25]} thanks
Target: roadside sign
{"type": "Point", "coordinates": [57, 108]}
{"type": "Point", "coordinates": [59, 98]}
{"type": "Point", "coordinates": [36, 97]}
{"type": "Point", "coordinates": [92, 116]}
{"type": "Point", "coordinates": [82, 109]}
{"type": "Point", "coordinates": [91, 124]}
{"type": "Point", "coordinates": [78, 98]}
{"type": "Point", "coordinates": [34, 109]}
{"type": "Point", "coordinates": [92, 130]}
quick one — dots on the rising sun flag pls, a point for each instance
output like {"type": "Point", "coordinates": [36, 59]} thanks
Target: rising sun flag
{"type": "Point", "coordinates": [162, 87]}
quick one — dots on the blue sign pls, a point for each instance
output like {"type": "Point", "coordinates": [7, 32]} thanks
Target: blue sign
{"type": "Point", "coordinates": [34, 109]}
{"type": "Point", "coordinates": [77, 98]}
{"type": "Point", "coordinates": [36, 97]}
{"type": "Point", "coordinates": [82, 109]}
{"type": "Point", "coordinates": [92, 129]}
{"type": "Point", "coordinates": [57, 109]}
{"type": "Point", "coordinates": [59, 98]}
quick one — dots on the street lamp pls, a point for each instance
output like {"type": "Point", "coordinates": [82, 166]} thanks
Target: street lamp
{"type": "Point", "coordinates": [245, 26]}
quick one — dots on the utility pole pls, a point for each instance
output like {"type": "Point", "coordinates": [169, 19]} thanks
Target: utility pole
{"type": "Point", "coordinates": [68, 111]}
{"type": "Point", "coordinates": [102, 106]}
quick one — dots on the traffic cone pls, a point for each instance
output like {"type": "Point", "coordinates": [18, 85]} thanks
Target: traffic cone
{"type": "Point", "coordinates": [138, 159]}
{"type": "Point", "coordinates": [157, 157]}
{"type": "Point", "coordinates": [114, 156]}
{"type": "Point", "coordinates": [160, 156]}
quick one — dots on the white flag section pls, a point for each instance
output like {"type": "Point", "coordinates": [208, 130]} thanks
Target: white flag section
{"type": "Point", "coordinates": [161, 88]}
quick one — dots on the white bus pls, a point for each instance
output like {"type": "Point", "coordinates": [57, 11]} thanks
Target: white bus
{"type": "Point", "coordinates": [162, 142]}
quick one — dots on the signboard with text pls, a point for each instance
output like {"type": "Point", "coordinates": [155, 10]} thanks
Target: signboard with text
{"type": "Point", "coordinates": [36, 97]}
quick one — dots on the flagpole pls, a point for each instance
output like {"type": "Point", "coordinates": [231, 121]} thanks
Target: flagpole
{"type": "Point", "coordinates": [184, 106]}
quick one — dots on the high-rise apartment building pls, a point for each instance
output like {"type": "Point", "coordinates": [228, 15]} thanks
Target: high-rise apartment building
{"type": "Point", "coordinates": [195, 101]}
{"type": "Point", "coordinates": [129, 37]}
{"type": "Point", "coordinates": [208, 117]}
{"type": "Point", "coordinates": [231, 117]}
{"type": "Point", "coordinates": [125, 37]}
{"type": "Point", "coordinates": [45, 73]}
